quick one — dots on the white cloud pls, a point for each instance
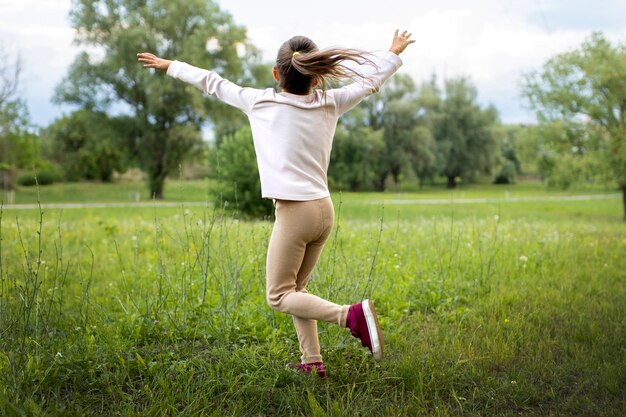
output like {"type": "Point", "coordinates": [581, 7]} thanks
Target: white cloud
{"type": "Point", "coordinates": [492, 41]}
{"type": "Point", "coordinates": [39, 32]}
{"type": "Point", "coordinates": [494, 47]}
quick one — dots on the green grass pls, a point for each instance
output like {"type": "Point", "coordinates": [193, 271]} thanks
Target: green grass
{"type": "Point", "coordinates": [198, 191]}
{"type": "Point", "coordinates": [97, 192]}
{"type": "Point", "coordinates": [488, 308]}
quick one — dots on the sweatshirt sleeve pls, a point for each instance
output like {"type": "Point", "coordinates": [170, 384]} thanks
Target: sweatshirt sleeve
{"type": "Point", "coordinates": [210, 82]}
{"type": "Point", "coordinates": [349, 96]}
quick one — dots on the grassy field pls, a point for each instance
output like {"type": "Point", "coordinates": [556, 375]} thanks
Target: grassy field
{"type": "Point", "coordinates": [199, 190]}
{"type": "Point", "coordinates": [493, 301]}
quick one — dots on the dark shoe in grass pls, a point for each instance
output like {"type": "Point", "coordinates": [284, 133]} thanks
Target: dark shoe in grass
{"type": "Point", "coordinates": [307, 368]}
{"type": "Point", "coordinates": [363, 324]}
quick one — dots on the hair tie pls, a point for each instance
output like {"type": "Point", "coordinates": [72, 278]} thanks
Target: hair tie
{"type": "Point", "coordinates": [295, 53]}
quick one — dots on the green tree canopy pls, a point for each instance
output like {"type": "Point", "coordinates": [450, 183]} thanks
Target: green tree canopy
{"type": "Point", "coordinates": [356, 161]}
{"type": "Point", "coordinates": [88, 144]}
{"type": "Point", "coordinates": [396, 115]}
{"type": "Point", "coordinates": [168, 114]}
{"type": "Point", "coordinates": [410, 143]}
{"type": "Point", "coordinates": [587, 86]}
{"type": "Point", "coordinates": [464, 132]}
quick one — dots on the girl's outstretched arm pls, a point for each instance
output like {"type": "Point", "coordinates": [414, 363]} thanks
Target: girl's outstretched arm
{"type": "Point", "coordinates": [152, 61]}
{"type": "Point", "coordinates": [349, 96]}
{"type": "Point", "coordinates": [400, 42]}
{"type": "Point", "coordinates": [209, 82]}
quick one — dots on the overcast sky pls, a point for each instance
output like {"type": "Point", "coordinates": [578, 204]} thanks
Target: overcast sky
{"type": "Point", "coordinates": [491, 41]}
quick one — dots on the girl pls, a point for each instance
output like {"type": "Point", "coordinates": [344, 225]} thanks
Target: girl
{"type": "Point", "coordinates": [293, 131]}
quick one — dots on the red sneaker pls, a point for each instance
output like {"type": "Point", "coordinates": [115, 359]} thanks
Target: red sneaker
{"type": "Point", "coordinates": [363, 323]}
{"type": "Point", "coordinates": [307, 368]}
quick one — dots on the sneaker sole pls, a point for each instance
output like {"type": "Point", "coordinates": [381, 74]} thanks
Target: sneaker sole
{"type": "Point", "coordinates": [376, 336]}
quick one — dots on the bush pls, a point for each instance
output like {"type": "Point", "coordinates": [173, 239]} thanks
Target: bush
{"type": "Point", "coordinates": [507, 174]}
{"type": "Point", "coordinates": [239, 186]}
{"type": "Point", "coordinates": [43, 177]}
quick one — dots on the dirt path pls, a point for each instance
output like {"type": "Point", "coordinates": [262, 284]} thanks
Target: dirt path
{"type": "Point", "coordinates": [530, 199]}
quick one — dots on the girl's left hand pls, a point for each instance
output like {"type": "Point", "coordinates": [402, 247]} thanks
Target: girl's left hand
{"type": "Point", "coordinates": [400, 42]}
{"type": "Point", "coordinates": [153, 61]}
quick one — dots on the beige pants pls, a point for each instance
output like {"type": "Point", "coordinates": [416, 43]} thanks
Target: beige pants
{"type": "Point", "coordinates": [298, 237]}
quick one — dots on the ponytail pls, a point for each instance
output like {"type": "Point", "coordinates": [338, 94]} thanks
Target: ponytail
{"type": "Point", "coordinates": [301, 65]}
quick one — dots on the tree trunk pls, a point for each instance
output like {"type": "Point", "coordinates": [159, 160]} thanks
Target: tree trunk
{"type": "Point", "coordinates": [157, 183]}
{"type": "Point", "coordinates": [380, 183]}
{"type": "Point", "coordinates": [395, 172]}
{"type": "Point", "coordinates": [451, 181]}
{"type": "Point", "coordinates": [624, 199]}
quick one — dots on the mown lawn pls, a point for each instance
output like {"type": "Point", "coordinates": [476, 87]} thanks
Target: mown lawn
{"type": "Point", "coordinates": [493, 302]}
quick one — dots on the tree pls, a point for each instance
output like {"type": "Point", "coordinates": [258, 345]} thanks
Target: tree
{"type": "Point", "coordinates": [587, 86]}
{"type": "Point", "coordinates": [88, 145]}
{"type": "Point", "coordinates": [395, 113]}
{"type": "Point", "coordinates": [18, 145]}
{"type": "Point", "coordinates": [168, 114]}
{"type": "Point", "coordinates": [355, 162]}
{"type": "Point", "coordinates": [564, 152]}
{"type": "Point", "coordinates": [463, 131]}
{"type": "Point", "coordinates": [410, 144]}
{"type": "Point", "coordinates": [510, 164]}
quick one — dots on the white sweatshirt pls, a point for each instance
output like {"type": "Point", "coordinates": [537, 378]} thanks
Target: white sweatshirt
{"type": "Point", "coordinates": [292, 134]}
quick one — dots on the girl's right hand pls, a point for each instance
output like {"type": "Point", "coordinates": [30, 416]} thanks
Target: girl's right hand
{"type": "Point", "coordinates": [400, 42]}
{"type": "Point", "coordinates": [152, 61]}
